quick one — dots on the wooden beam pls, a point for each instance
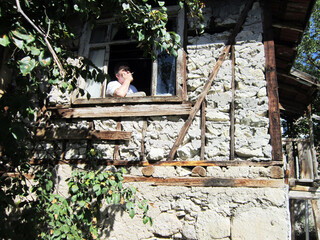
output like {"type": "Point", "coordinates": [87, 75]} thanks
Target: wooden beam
{"type": "Point", "coordinates": [289, 25]}
{"type": "Point", "coordinates": [299, 78]}
{"type": "Point", "coordinates": [226, 163]}
{"type": "Point", "coordinates": [208, 182]}
{"type": "Point", "coordinates": [125, 111]}
{"type": "Point", "coordinates": [207, 85]}
{"type": "Point", "coordinates": [272, 83]}
{"type": "Point", "coordinates": [192, 181]}
{"type": "Point", "coordinates": [302, 195]}
{"type": "Point", "coordinates": [232, 106]}
{"type": "Point", "coordinates": [203, 129]}
{"type": "Point", "coordinates": [116, 153]}
{"type": "Point", "coordinates": [79, 134]}
{"type": "Point", "coordinates": [143, 135]}
{"type": "Point", "coordinates": [126, 100]}
{"type": "Point", "coordinates": [292, 218]}
{"type": "Point", "coordinates": [312, 149]}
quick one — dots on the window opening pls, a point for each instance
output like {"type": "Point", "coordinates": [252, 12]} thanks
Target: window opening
{"type": "Point", "coordinates": [108, 44]}
{"type": "Point", "coordinates": [141, 66]}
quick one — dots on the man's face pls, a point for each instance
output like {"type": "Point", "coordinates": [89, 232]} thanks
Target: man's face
{"type": "Point", "coordinates": [122, 75]}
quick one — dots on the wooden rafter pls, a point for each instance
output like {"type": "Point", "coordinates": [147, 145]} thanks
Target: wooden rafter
{"type": "Point", "coordinates": [207, 86]}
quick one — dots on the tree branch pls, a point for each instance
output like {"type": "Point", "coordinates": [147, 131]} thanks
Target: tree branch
{"type": "Point", "coordinates": [313, 62]}
{"type": "Point", "coordinates": [45, 37]}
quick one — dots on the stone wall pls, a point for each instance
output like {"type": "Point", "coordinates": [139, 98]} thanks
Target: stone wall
{"type": "Point", "coordinates": [196, 213]}
{"type": "Point", "coordinates": [208, 213]}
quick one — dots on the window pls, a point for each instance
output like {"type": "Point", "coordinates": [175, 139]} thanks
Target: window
{"type": "Point", "coordinates": [107, 44]}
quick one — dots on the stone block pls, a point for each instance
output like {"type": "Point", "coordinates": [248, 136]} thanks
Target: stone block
{"type": "Point", "coordinates": [211, 225]}
{"type": "Point", "coordinates": [166, 225]}
{"type": "Point", "coordinates": [257, 223]}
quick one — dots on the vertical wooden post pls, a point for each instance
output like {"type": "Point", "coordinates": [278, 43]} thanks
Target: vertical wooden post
{"type": "Point", "coordinates": [272, 83]}
{"type": "Point", "coordinates": [203, 129]}
{"type": "Point", "coordinates": [144, 130]}
{"type": "Point", "coordinates": [116, 154]}
{"type": "Point", "coordinates": [316, 216]}
{"type": "Point", "coordinates": [291, 162]}
{"type": "Point", "coordinates": [232, 104]}
{"type": "Point", "coordinates": [292, 218]}
{"type": "Point", "coordinates": [311, 137]}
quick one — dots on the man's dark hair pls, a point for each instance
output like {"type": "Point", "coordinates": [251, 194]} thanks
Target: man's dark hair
{"type": "Point", "coordinates": [121, 66]}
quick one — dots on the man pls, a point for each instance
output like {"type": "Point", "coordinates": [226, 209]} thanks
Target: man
{"type": "Point", "coordinates": [123, 86]}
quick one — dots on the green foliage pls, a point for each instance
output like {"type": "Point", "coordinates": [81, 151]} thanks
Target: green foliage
{"type": "Point", "coordinates": [308, 57]}
{"type": "Point", "coordinates": [35, 46]}
{"type": "Point", "coordinates": [78, 215]}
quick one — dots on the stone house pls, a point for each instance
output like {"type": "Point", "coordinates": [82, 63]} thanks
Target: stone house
{"type": "Point", "coordinates": [204, 145]}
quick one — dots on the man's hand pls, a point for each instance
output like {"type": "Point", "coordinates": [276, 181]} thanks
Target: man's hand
{"type": "Point", "coordinates": [125, 78]}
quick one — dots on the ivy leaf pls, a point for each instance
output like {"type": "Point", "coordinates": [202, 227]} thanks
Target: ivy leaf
{"type": "Point", "coordinates": [27, 37]}
{"type": "Point", "coordinates": [74, 188]}
{"type": "Point", "coordinates": [26, 65]}
{"type": "Point", "coordinates": [96, 187]}
{"type": "Point", "coordinates": [56, 72]}
{"type": "Point", "coordinates": [116, 198]}
{"type": "Point", "coordinates": [4, 41]}
{"type": "Point", "coordinates": [35, 51]}
{"type": "Point", "coordinates": [19, 43]}
{"type": "Point", "coordinates": [44, 61]}
{"type": "Point", "coordinates": [145, 219]}
{"type": "Point", "coordinates": [49, 185]}
{"type": "Point", "coordinates": [161, 3]}
{"type": "Point", "coordinates": [132, 213]}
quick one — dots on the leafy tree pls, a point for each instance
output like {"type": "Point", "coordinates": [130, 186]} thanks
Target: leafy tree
{"type": "Point", "coordinates": [308, 57]}
{"type": "Point", "coordinates": [308, 60]}
{"type": "Point", "coordinates": [35, 41]}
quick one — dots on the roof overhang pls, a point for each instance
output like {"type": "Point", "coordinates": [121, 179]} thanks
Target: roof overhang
{"type": "Point", "coordinates": [296, 89]}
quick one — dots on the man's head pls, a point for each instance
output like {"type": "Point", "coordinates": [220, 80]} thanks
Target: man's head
{"type": "Point", "coordinates": [120, 70]}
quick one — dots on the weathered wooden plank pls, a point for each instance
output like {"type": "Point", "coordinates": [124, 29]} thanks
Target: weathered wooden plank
{"type": "Point", "coordinates": [116, 154]}
{"type": "Point", "coordinates": [287, 140]}
{"type": "Point", "coordinates": [312, 149]}
{"type": "Point", "coordinates": [207, 182]}
{"type": "Point", "coordinates": [304, 195]}
{"type": "Point", "coordinates": [292, 218]}
{"type": "Point", "coordinates": [125, 111]}
{"type": "Point", "coordinates": [272, 83]}
{"type": "Point", "coordinates": [143, 135]}
{"type": "Point", "coordinates": [112, 100]}
{"type": "Point", "coordinates": [79, 134]}
{"type": "Point", "coordinates": [305, 159]}
{"type": "Point", "coordinates": [292, 26]}
{"type": "Point", "coordinates": [316, 217]}
{"type": "Point", "coordinates": [207, 85]}
{"type": "Point", "coordinates": [232, 106]}
{"type": "Point", "coordinates": [291, 162]}
{"type": "Point", "coordinates": [203, 129]}
{"type": "Point", "coordinates": [303, 188]}
{"type": "Point", "coordinates": [226, 163]}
